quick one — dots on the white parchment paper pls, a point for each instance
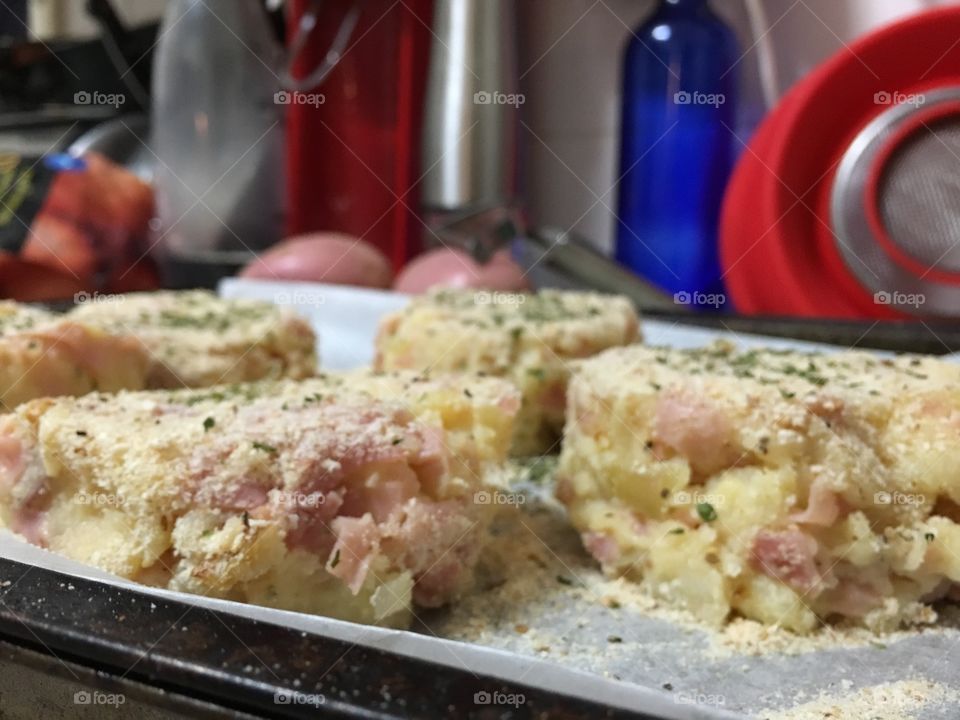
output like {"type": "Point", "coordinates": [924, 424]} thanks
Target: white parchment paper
{"type": "Point", "coordinates": [653, 665]}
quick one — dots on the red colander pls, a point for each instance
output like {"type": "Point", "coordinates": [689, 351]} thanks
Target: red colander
{"type": "Point", "coordinates": [847, 202]}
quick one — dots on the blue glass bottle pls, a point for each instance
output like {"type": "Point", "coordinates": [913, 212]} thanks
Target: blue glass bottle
{"type": "Point", "coordinates": [677, 150]}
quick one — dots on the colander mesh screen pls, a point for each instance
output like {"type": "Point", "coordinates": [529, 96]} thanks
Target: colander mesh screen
{"type": "Point", "coordinates": [919, 196]}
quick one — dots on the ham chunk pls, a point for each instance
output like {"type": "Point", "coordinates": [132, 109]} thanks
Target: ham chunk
{"type": "Point", "coordinates": [346, 495]}
{"type": "Point", "coordinates": [696, 429]}
{"type": "Point", "coordinates": [788, 556]}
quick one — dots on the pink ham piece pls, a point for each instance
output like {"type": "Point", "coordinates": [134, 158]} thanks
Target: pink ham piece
{"type": "Point", "coordinates": [380, 489]}
{"type": "Point", "coordinates": [28, 516]}
{"type": "Point", "coordinates": [11, 462]}
{"type": "Point", "coordinates": [696, 429]}
{"type": "Point", "coordinates": [437, 543]}
{"type": "Point", "coordinates": [603, 547]}
{"type": "Point", "coordinates": [850, 599]}
{"type": "Point", "coordinates": [365, 482]}
{"type": "Point", "coordinates": [358, 542]}
{"type": "Point", "coordinates": [433, 540]}
{"type": "Point", "coordinates": [430, 461]}
{"type": "Point", "coordinates": [439, 583]}
{"type": "Point", "coordinates": [510, 404]}
{"type": "Point", "coordinates": [788, 556]}
{"type": "Point", "coordinates": [29, 519]}
{"type": "Point", "coordinates": [372, 493]}
{"type": "Point", "coordinates": [31, 524]}
{"type": "Point", "coordinates": [310, 519]}
{"type": "Point", "coordinates": [245, 496]}
{"type": "Point", "coordinates": [376, 475]}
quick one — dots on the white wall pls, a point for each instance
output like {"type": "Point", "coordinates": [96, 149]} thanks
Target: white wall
{"type": "Point", "coordinates": [571, 52]}
{"type": "Point", "coordinates": [570, 73]}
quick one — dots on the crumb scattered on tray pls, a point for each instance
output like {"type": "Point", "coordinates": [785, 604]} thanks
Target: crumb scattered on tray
{"type": "Point", "coordinates": [891, 701]}
{"type": "Point", "coordinates": [539, 594]}
{"type": "Point", "coordinates": [535, 558]}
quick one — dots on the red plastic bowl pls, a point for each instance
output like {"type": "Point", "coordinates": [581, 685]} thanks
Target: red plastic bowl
{"type": "Point", "coordinates": [777, 245]}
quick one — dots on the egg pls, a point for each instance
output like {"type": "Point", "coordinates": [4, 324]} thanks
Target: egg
{"type": "Point", "coordinates": [323, 257]}
{"type": "Point", "coordinates": [452, 268]}
{"type": "Point", "coordinates": [504, 273]}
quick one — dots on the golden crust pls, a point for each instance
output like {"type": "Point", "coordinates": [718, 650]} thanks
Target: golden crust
{"type": "Point", "coordinates": [529, 339]}
{"type": "Point", "coordinates": [224, 491]}
{"type": "Point", "coordinates": [787, 487]}
{"type": "Point", "coordinates": [43, 354]}
{"type": "Point", "coordinates": [196, 339]}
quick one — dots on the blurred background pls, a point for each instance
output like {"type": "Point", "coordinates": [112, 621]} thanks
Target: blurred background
{"type": "Point", "coordinates": [766, 157]}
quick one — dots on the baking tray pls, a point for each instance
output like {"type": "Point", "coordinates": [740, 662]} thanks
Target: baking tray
{"type": "Point", "coordinates": [209, 656]}
{"type": "Point", "coordinates": [107, 641]}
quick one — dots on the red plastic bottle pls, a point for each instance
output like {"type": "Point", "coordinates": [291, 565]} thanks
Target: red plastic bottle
{"type": "Point", "coordinates": [352, 161]}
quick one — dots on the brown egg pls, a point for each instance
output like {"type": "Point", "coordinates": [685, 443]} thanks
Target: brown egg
{"type": "Point", "coordinates": [323, 257]}
{"type": "Point", "coordinates": [451, 268]}
{"type": "Point", "coordinates": [503, 273]}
